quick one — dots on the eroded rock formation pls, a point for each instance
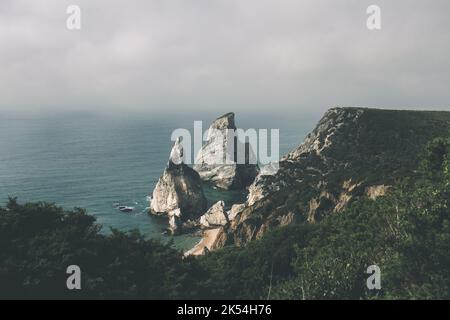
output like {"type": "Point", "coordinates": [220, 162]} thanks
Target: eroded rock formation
{"type": "Point", "coordinates": [215, 216]}
{"type": "Point", "coordinates": [220, 161]}
{"type": "Point", "coordinates": [178, 193]}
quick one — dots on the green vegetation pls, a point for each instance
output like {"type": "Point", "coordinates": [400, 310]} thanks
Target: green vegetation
{"type": "Point", "coordinates": [406, 233]}
{"type": "Point", "coordinates": [39, 241]}
{"type": "Point", "coordinates": [382, 146]}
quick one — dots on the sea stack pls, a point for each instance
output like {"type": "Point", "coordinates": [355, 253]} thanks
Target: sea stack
{"type": "Point", "coordinates": [218, 160]}
{"type": "Point", "coordinates": [178, 193]}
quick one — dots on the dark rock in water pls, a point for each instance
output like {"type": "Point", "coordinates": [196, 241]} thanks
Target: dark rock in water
{"type": "Point", "coordinates": [178, 193]}
{"type": "Point", "coordinates": [125, 208]}
{"type": "Point", "coordinates": [219, 161]}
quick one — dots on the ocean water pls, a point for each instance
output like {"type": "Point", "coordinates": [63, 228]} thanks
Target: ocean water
{"type": "Point", "coordinates": [94, 161]}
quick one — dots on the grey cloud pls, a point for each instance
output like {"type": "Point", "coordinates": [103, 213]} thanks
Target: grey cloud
{"type": "Point", "coordinates": [223, 54]}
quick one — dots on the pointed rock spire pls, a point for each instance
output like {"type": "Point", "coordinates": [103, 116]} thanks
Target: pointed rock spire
{"type": "Point", "coordinates": [178, 193]}
{"type": "Point", "coordinates": [219, 162]}
{"type": "Point", "coordinates": [176, 154]}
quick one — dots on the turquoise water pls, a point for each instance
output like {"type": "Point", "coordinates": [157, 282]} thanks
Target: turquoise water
{"type": "Point", "coordinates": [93, 161]}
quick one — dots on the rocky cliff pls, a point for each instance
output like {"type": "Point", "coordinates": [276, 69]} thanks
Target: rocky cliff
{"type": "Point", "coordinates": [217, 161]}
{"type": "Point", "coordinates": [351, 152]}
{"type": "Point", "coordinates": [215, 216]}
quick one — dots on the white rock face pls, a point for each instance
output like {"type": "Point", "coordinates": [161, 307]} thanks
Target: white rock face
{"type": "Point", "coordinates": [174, 220]}
{"type": "Point", "coordinates": [179, 192]}
{"type": "Point", "coordinates": [235, 210]}
{"type": "Point", "coordinates": [177, 154]}
{"type": "Point", "coordinates": [223, 159]}
{"type": "Point", "coordinates": [215, 216]}
{"type": "Point", "coordinates": [210, 240]}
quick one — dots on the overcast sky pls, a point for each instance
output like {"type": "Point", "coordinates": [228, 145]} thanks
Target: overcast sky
{"type": "Point", "coordinates": [241, 55]}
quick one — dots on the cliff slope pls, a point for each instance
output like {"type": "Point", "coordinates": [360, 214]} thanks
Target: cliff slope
{"type": "Point", "coordinates": [351, 152]}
